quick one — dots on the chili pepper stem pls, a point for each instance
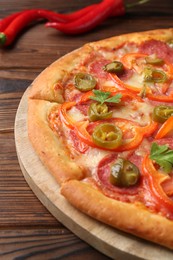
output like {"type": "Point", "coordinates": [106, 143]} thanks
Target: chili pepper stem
{"type": "Point", "coordinates": [2, 38]}
{"type": "Point", "coordinates": [140, 2]}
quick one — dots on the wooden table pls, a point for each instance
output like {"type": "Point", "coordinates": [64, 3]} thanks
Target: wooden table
{"type": "Point", "coordinates": [27, 229]}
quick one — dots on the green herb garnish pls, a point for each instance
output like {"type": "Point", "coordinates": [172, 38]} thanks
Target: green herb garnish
{"type": "Point", "coordinates": [103, 97]}
{"type": "Point", "coordinates": [163, 156]}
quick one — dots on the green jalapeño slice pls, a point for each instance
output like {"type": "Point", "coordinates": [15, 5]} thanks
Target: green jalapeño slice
{"type": "Point", "coordinates": [153, 60]}
{"type": "Point", "coordinates": [170, 43]}
{"type": "Point", "coordinates": [155, 76]}
{"type": "Point", "coordinates": [98, 111]}
{"type": "Point", "coordinates": [107, 136]}
{"type": "Point", "coordinates": [162, 113]}
{"type": "Point", "coordinates": [124, 173]}
{"type": "Point", "coordinates": [114, 67]}
{"type": "Point", "coordinates": [84, 81]}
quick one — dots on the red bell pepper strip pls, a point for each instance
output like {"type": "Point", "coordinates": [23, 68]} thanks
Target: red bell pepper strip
{"type": "Point", "coordinates": [138, 132]}
{"type": "Point", "coordinates": [64, 117]}
{"type": "Point", "coordinates": [125, 95]}
{"type": "Point", "coordinates": [122, 85]}
{"type": "Point", "coordinates": [128, 143]}
{"type": "Point", "coordinates": [165, 129]}
{"type": "Point", "coordinates": [152, 179]}
{"type": "Point", "coordinates": [83, 134]}
{"type": "Point", "coordinates": [128, 61]}
{"type": "Point", "coordinates": [149, 95]}
{"type": "Point", "coordinates": [161, 98]}
{"type": "Point", "coordinates": [129, 58]}
{"type": "Point", "coordinates": [89, 20]}
{"type": "Point", "coordinates": [127, 126]}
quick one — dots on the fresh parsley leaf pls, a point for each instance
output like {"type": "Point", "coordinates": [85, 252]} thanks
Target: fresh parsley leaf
{"type": "Point", "coordinates": [102, 97]}
{"type": "Point", "coordinates": [163, 156]}
{"type": "Point", "coordinates": [115, 99]}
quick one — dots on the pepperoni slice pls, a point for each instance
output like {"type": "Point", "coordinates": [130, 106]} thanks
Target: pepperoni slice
{"type": "Point", "coordinates": [161, 49]}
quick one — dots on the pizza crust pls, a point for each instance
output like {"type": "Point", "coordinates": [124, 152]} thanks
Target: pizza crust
{"type": "Point", "coordinates": [131, 218]}
{"type": "Point", "coordinates": [48, 145]}
{"type": "Point", "coordinates": [137, 37]}
{"type": "Point", "coordinates": [44, 86]}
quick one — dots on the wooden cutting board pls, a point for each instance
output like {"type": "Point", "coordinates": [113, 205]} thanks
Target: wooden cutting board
{"type": "Point", "coordinates": [113, 243]}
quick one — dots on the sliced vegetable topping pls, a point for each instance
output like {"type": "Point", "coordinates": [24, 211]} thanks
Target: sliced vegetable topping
{"type": "Point", "coordinates": [98, 111]}
{"type": "Point", "coordinates": [163, 156]}
{"type": "Point", "coordinates": [107, 135]}
{"type": "Point", "coordinates": [153, 180]}
{"type": "Point", "coordinates": [153, 75]}
{"type": "Point", "coordinates": [162, 113]}
{"type": "Point", "coordinates": [114, 67]}
{"type": "Point", "coordinates": [124, 173]}
{"type": "Point", "coordinates": [154, 60]}
{"type": "Point", "coordinates": [68, 121]}
{"type": "Point", "coordinates": [84, 81]}
{"type": "Point", "coordinates": [130, 59]}
{"type": "Point", "coordinates": [170, 43]}
{"type": "Point", "coordinates": [165, 129]}
{"type": "Point", "coordinates": [102, 97]}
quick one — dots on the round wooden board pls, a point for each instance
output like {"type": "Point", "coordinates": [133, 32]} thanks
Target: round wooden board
{"type": "Point", "coordinates": [109, 241]}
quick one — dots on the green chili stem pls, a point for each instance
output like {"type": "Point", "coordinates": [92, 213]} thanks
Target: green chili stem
{"type": "Point", "coordinates": [2, 38]}
{"type": "Point", "coordinates": [140, 2]}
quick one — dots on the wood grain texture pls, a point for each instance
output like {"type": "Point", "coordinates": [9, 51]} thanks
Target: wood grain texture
{"type": "Point", "coordinates": [23, 219]}
{"type": "Point", "coordinates": [53, 243]}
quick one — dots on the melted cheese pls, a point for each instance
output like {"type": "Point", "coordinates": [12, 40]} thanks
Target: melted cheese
{"type": "Point", "coordinates": [136, 80]}
{"type": "Point", "coordinates": [76, 114]}
{"type": "Point", "coordinates": [88, 160]}
{"type": "Point", "coordinates": [136, 111]}
{"type": "Point", "coordinates": [91, 159]}
{"type": "Point", "coordinates": [143, 148]}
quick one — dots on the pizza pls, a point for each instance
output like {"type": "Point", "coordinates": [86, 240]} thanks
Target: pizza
{"type": "Point", "coordinates": [101, 121]}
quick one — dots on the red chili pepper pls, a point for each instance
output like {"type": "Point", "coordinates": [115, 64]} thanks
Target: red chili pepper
{"type": "Point", "coordinates": [89, 20]}
{"type": "Point", "coordinates": [7, 20]}
{"type": "Point", "coordinates": [78, 14]}
{"type": "Point", "coordinates": [13, 24]}
{"type": "Point", "coordinates": [23, 19]}
{"type": "Point", "coordinates": [119, 9]}
{"type": "Point", "coordinates": [52, 16]}
{"type": "Point", "coordinates": [96, 16]}
{"type": "Point", "coordinates": [77, 22]}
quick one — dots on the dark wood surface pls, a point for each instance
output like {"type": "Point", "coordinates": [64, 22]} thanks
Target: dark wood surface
{"type": "Point", "coordinates": [27, 229]}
